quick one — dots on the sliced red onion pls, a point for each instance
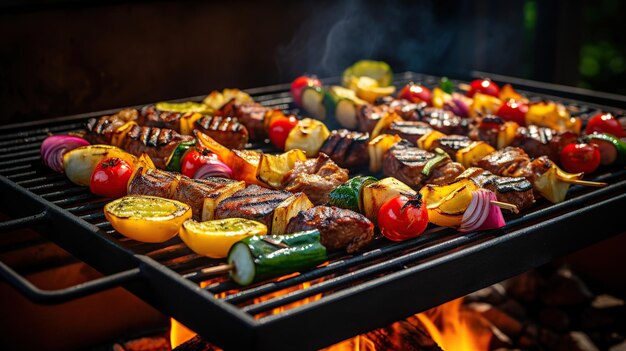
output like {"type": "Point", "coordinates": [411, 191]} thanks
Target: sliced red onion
{"type": "Point", "coordinates": [213, 168]}
{"type": "Point", "coordinates": [459, 105]}
{"type": "Point", "coordinates": [55, 146]}
{"type": "Point", "coordinates": [481, 214]}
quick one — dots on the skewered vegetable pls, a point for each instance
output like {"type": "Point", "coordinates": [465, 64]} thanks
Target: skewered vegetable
{"type": "Point", "coordinates": [416, 93]}
{"type": "Point", "coordinates": [377, 70]}
{"type": "Point", "coordinates": [148, 219]}
{"type": "Point", "coordinates": [605, 123]}
{"type": "Point", "coordinates": [612, 149]}
{"type": "Point", "coordinates": [213, 168]}
{"type": "Point", "coordinates": [447, 204]}
{"type": "Point", "coordinates": [184, 107]}
{"type": "Point", "coordinates": [299, 84]}
{"type": "Point", "coordinates": [279, 129]}
{"type": "Point", "coordinates": [403, 217]}
{"type": "Point", "coordinates": [215, 238]}
{"type": "Point", "coordinates": [378, 147]}
{"type": "Point", "coordinates": [483, 86]}
{"type": "Point", "coordinates": [260, 257]}
{"type": "Point", "coordinates": [272, 169]}
{"type": "Point", "coordinates": [308, 135]}
{"type": "Point", "coordinates": [481, 214]}
{"type": "Point", "coordinates": [193, 159]}
{"type": "Point", "coordinates": [175, 160]}
{"type": "Point", "coordinates": [552, 115]}
{"type": "Point", "coordinates": [349, 195]}
{"type": "Point", "coordinates": [288, 209]}
{"type": "Point", "coordinates": [55, 146]}
{"type": "Point", "coordinates": [110, 178]}
{"type": "Point", "coordinates": [369, 89]}
{"type": "Point", "coordinates": [346, 104]}
{"type": "Point", "coordinates": [80, 163]}
{"type": "Point", "coordinates": [468, 155]}
{"type": "Point", "coordinates": [578, 158]}
{"type": "Point", "coordinates": [376, 194]}
{"type": "Point", "coordinates": [553, 183]}
{"type": "Point", "coordinates": [318, 103]}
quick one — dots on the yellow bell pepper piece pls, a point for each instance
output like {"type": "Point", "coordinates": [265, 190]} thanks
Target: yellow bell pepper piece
{"type": "Point", "coordinates": [120, 133]}
{"type": "Point", "coordinates": [473, 152]}
{"type": "Point", "coordinates": [148, 219]}
{"type": "Point", "coordinates": [384, 122]}
{"type": "Point", "coordinates": [508, 93]}
{"type": "Point", "coordinates": [273, 168]}
{"type": "Point", "coordinates": [553, 183]}
{"type": "Point", "coordinates": [440, 97]}
{"type": "Point", "coordinates": [552, 115]}
{"type": "Point", "coordinates": [187, 122]}
{"type": "Point", "coordinates": [214, 238]}
{"type": "Point", "coordinates": [446, 204]}
{"type": "Point", "coordinates": [483, 105]}
{"type": "Point", "coordinates": [425, 142]}
{"type": "Point", "coordinates": [506, 134]}
{"type": "Point", "coordinates": [377, 147]}
{"type": "Point", "coordinates": [308, 135]}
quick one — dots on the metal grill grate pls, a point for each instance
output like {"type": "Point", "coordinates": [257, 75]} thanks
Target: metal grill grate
{"type": "Point", "coordinates": [350, 295]}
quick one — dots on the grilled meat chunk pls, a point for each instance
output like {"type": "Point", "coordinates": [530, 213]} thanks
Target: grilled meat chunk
{"type": "Point", "coordinates": [406, 162]}
{"type": "Point", "coordinates": [151, 116]}
{"type": "Point", "coordinates": [486, 129]}
{"type": "Point", "coordinates": [316, 178]}
{"type": "Point", "coordinates": [368, 115]}
{"type": "Point", "coordinates": [158, 143]}
{"type": "Point", "coordinates": [193, 192]}
{"type": "Point", "coordinates": [100, 130]}
{"type": "Point", "coordinates": [445, 122]}
{"type": "Point", "coordinates": [539, 141]}
{"type": "Point", "coordinates": [409, 130]}
{"type": "Point", "coordinates": [451, 144]}
{"type": "Point", "coordinates": [154, 182]}
{"type": "Point", "coordinates": [250, 114]}
{"type": "Point", "coordinates": [514, 190]}
{"type": "Point", "coordinates": [225, 130]}
{"type": "Point", "coordinates": [348, 149]}
{"type": "Point", "coordinates": [508, 162]}
{"type": "Point", "coordinates": [338, 228]}
{"type": "Point", "coordinates": [253, 202]}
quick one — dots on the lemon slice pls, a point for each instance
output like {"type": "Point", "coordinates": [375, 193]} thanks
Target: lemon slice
{"type": "Point", "coordinates": [214, 238]}
{"type": "Point", "coordinates": [378, 70]}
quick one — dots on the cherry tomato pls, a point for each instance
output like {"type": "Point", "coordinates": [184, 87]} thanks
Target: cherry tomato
{"type": "Point", "coordinates": [193, 159]}
{"type": "Point", "coordinates": [416, 93]}
{"type": "Point", "coordinates": [485, 86]}
{"type": "Point", "coordinates": [298, 85]}
{"type": "Point", "coordinates": [279, 130]}
{"type": "Point", "coordinates": [110, 178]}
{"type": "Point", "coordinates": [514, 111]}
{"type": "Point", "coordinates": [403, 217]}
{"type": "Point", "coordinates": [577, 158]}
{"type": "Point", "coordinates": [605, 123]}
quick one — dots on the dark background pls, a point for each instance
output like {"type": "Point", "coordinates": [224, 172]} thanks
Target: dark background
{"type": "Point", "coordinates": [66, 57]}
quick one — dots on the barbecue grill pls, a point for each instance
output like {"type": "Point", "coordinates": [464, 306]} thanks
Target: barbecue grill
{"type": "Point", "coordinates": [350, 295]}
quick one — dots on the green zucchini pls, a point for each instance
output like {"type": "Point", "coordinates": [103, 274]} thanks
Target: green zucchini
{"type": "Point", "coordinates": [175, 159]}
{"type": "Point", "coordinates": [183, 107]}
{"type": "Point", "coordinates": [258, 257]}
{"type": "Point", "coordinates": [346, 103]}
{"type": "Point", "coordinates": [430, 165]}
{"type": "Point", "coordinates": [318, 103]}
{"type": "Point", "coordinates": [378, 70]}
{"type": "Point", "coordinates": [349, 194]}
{"type": "Point", "coordinates": [612, 149]}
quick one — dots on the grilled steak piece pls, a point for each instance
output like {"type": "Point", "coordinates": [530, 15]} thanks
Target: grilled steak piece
{"type": "Point", "coordinates": [514, 190]}
{"type": "Point", "coordinates": [348, 149]}
{"type": "Point", "coordinates": [539, 141]}
{"type": "Point", "coordinates": [253, 202]}
{"type": "Point", "coordinates": [338, 228]}
{"type": "Point", "coordinates": [154, 182]}
{"type": "Point", "coordinates": [451, 144]}
{"type": "Point", "coordinates": [445, 122]}
{"type": "Point", "coordinates": [406, 162]}
{"type": "Point", "coordinates": [315, 177]}
{"type": "Point", "coordinates": [100, 130]}
{"type": "Point", "coordinates": [225, 130]}
{"type": "Point", "coordinates": [368, 115]}
{"type": "Point", "coordinates": [250, 114]}
{"type": "Point", "coordinates": [158, 143]}
{"type": "Point", "coordinates": [486, 129]}
{"type": "Point", "coordinates": [150, 116]}
{"type": "Point", "coordinates": [508, 162]}
{"type": "Point", "coordinates": [409, 130]}
{"type": "Point", "coordinates": [193, 191]}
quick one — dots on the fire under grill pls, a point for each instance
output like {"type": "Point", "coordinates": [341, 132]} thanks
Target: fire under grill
{"type": "Point", "coordinates": [350, 295]}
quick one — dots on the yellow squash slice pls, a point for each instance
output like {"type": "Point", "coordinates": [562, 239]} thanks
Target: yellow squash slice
{"type": "Point", "coordinates": [214, 238]}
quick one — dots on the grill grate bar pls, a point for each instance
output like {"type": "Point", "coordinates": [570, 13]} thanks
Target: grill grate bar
{"type": "Point", "coordinates": [69, 191]}
{"type": "Point", "coordinates": [22, 147]}
{"type": "Point", "coordinates": [73, 199]}
{"type": "Point", "coordinates": [20, 160]}
{"type": "Point", "coordinates": [36, 132]}
{"type": "Point", "coordinates": [88, 207]}
{"type": "Point", "coordinates": [10, 155]}
{"type": "Point", "coordinates": [47, 186]}
{"type": "Point", "coordinates": [46, 178]}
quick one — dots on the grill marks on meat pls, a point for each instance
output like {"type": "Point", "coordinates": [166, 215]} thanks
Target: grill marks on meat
{"type": "Point", "coordinates": [348, 149]}
{"type": "Point", "coordinates": [409, 130]}
{"type": "Point", "coordinates": [445, 121]}
{"type": "Point", "coordinates": [154, 182]}
{"type": "Point", "coordinates": [100, 130]}
{"type": "Point", "coordinates": [451, 144]}
{"type": "Point", "coordinates": [253, 202]}
{"type": "Point", "coordinates": [514, 190]}
{"type": "Point", "coordinates": [508, 162]}
{"type": "Point", "coordinates": [338, 228]}
{"type": "Point", "coordinates": [193, 192]}
{"type": "Point", "coordinates": [158, 143]}
{"type": "Point", "coordinates": [316, 178]}
{"type": "Point", "coordinates": [368, 115]}
{"type": "Point", "coordinates": [250, 114]}
{"type": "Point", "coordinates": [150, 116]}
{"type": "Point", "coordinates": [406, 162]}
{"type": "Point", "coordinates": [539, 141]}
{"type": "Point", "coordinates": [225, 130]}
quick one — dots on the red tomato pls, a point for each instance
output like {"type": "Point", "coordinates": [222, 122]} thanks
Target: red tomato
{"type": "Point", "coordinates": [416, 93]}
{"type": "Point", "coordinates": [298, 85]}
{"type": "Point", "coordinates": [193, 159]}
{"type": "Point", "coordinates": [605, 123]}
{"type": "Point", "coordinates": [110, 178]}
{"type": "Point", "coordinates": [484, 86]}
{"type": "Point", "coordinates": [279, 130]}
{"type": "Point", "coordinates": [403, 217]}
{"type": "Point", "coordinates": [513, 111]}
{"type": "Point", "coordinates": [577, 158]}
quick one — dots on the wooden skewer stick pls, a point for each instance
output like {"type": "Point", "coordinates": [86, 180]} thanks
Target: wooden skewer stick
{"type": "Point", "coordinates": [464, 87]}
{"type": "Point", "coordinates": [505, 206]}
{"type": "Point", "coordinates": [215, 270]}
{"type": "Point", "coordinates": [583, 182]}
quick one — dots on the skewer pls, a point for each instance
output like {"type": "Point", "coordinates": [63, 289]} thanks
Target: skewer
{"type": "Point", "coordinates": [505, 206]}
{"type": "Point", "coordinates": [464, 87]}
{"type": "Point", "coordinates": [583, 182]}
{"type": "Point", "coordinates": [221, 269]}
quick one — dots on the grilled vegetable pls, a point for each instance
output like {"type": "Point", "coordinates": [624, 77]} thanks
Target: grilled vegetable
{"type": "Point", "coordinates": [144, 163]}
{"type": "Point", "coordinates": [580, 158]}
{"type": "Point", "coordinates": [484, 104]}
{"type": "Point", "coordinates": [216, 99]}
{"type": "Point", "coordinates": [187, 106]}
{"type": "Point", "coordinates": [377, 70]}
{"type": "Point", "coordinates": [513, 110]}
{"type": "Point", "coordinates": [417, 93]}
{"type": "Point", "coordinates": [298, 86]}
{"type": "Point", "coordinates": [119, 135]}
{"type": "Point", "coordinates": [148, 219]}
{"type": "Point", "coordinates": [472, 153]}
{"type": "Point", "coordinates": [55, 146]}
{"type": "Point", "coordinates": [552, 115]}
{"type": "Point", "coordinates": [483, 86]}
{"type": "Point", "coordinates": [279, 129]}
{"type": "Point", "coordinates": [403, 217]}
{"type": "Point", "coordinates": [369, 89]}
{"type": "Point", "coordinates": [215, 238]}
{"type": "Point", "coordinates": [215, 197]}
{"type": "Point", "coordinates": [376, 194]}
{"type": "Point", "coordinates": [272, 169]}
{"type": "Point", "coordinates": [426, 141]}
{"type": "Point", "coordinates": [308, 135]}
{"type": "Point", "coordinates": [260, 257]}
{"type": "Point", "coordinates": [377, 148]}
{"type": "Point", "coordinates": [194, 158]}
{"type": "Point", "coordinates": [440, 98]}
{"type": "Point", "coordinates": [80, 162]}
{"type": "Point", "coordinates": [446, 204]}
{"type": "Point", "coordinates": [349, 195]}
{"type": "Point", "coordinates": [188, 121]}
{"type": "Point", "coordinates": [553, 183]}
{"type": "Point", "coordinates": [384, 123]}
{"type": "Point", "coordinates": [288, 209]}
{"type": "Point", "coordinates": [432, 163]}
{"type": "Point", "coordinates": [346, 103]}
{"type": "Point", "coordinates": [213, 168]}
{"type": "Point", "coordinates": [508, 93]}
{"type": "Point", "coordinates": [481, 214]}
{"type": "Point", "coordinates": [446, 85]}
{"type": "Point", "coordinates": [110, 178]}
{"type": "Point", "coordinates": [506, 134]}
{"type": "Point", "coordinates": [612, 149]}
{"type": "Point", "coordinates": [175, 160]}
{"type": "Point", "coordinates": [605, 123]}
{"type": "Point", "coordinates": [318, 103]}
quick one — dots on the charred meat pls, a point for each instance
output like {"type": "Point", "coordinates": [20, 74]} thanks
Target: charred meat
{"type": "Point", "coordinates": [348, 149]}
{"type": "Point", "coordinates": [451, 144]}
{"type": "Point", "coordinates": [151, 116]}
{"type": "Point", "coordinates": [539, 141]}
{"type": "Point", "coordinates": [315, 177]}
{"type": "Point", "coordinates": [253, 202]}
{"type": "Point", "coordinates": [250, 114]}
{"type": "Point", "coordinates": [508, 162]}
{"type": "Point", "coordinates": [339, 228]}
{"type": "Point", "coordinates": [225, 130]}
{"type": "Point", "coordinates": [193, 191]}
{"type": "Point", "coordinates": [100, 130]}
{"type": "Point", "coordinates": [154, 182]}
{"type": "Point", "coordinates": [158, 143]}
{"type": "Point", "coordinates": [445, 121]}
{"type": "Point", "coordinates": [409, 130]}
{"type": "Point", "coordinates": [514, 190]}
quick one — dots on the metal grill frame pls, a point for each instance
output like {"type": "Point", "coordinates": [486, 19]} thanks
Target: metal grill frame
{"type": "Point", "coordinates": [415, 275]}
